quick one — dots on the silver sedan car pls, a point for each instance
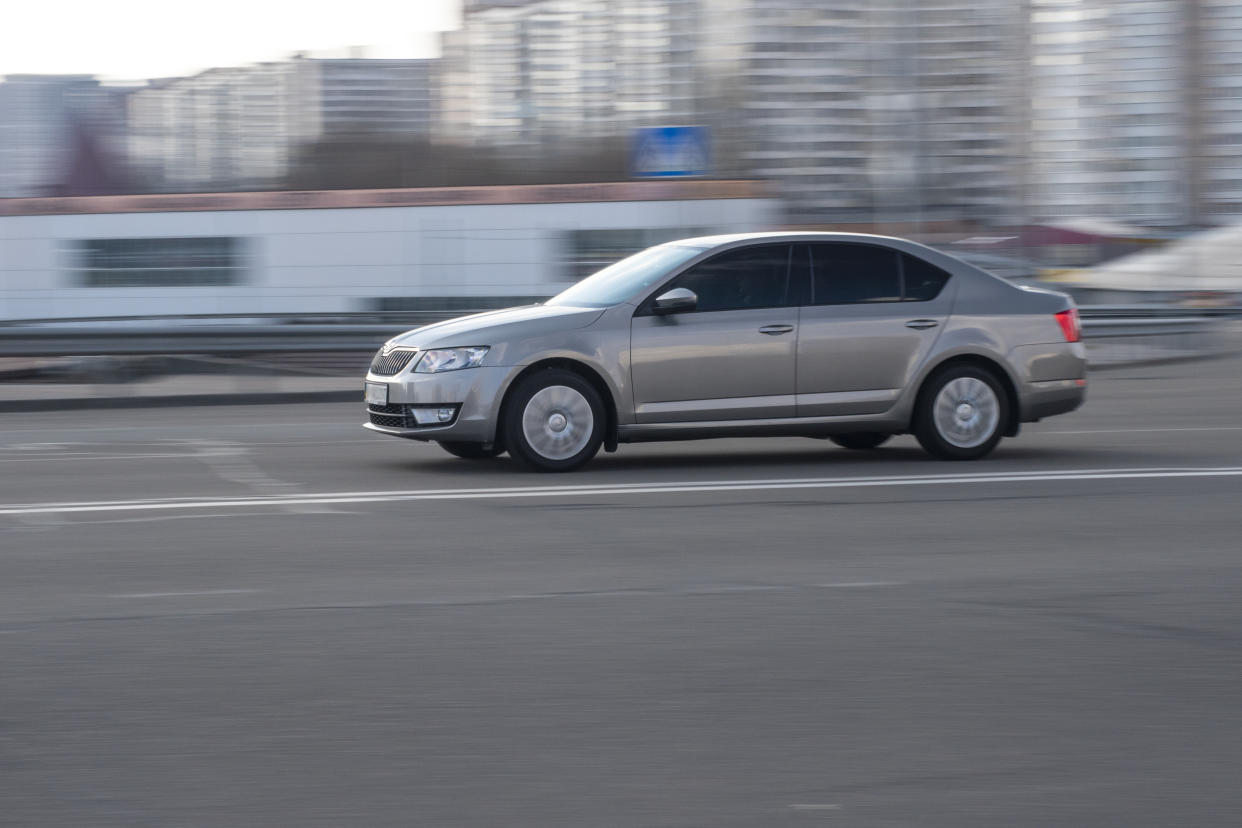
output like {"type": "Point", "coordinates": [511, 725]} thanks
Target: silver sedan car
{"type": "Point", "coordinates": [848, 337]}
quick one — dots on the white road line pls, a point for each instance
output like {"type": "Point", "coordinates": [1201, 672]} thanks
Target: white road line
{"type": "Point", "coordinates": [812, 806]}
{"type": "Point", "coordinates": [618, 489]}
{"type": "Point", "coordinates": [164, 426]}
{"type": "Point", "coordinates": [1142, 430]}
{"type": "Point", "coordinates": [56, 456]}
{"type": "Point", "coordinates": [859, 584]}
{"type": "Point", "coordinates": [80, 458]}
{"type": "Point", "coordinates": [179, 594]}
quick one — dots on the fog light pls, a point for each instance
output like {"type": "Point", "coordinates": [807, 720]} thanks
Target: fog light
{"type": "Point", "coordinates": [433, 414]}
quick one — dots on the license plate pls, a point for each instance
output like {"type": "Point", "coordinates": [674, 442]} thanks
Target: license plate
{"type": "Point", "coordinates": [377, 393]}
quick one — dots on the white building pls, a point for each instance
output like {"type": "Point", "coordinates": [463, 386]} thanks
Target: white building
{"type": "Point", "coordinates": [1217, 59]}
{"type": "Point", "coordinates": [907, 109]}
{"type": "Point", "coordinates": [1136, 110]}
{"type": "Point", "coordinates": [236, 128]}
{"type": "Point", "coordinates": [1111, 110]}
{"type": "Point", "coordinates": [336, 251]}
{"type": "Point", "coordinates": [566, 70]}
{"type": "Point", "coordinates": [892, 109]}
{"type": "Point", "coordinates": [38, 116]}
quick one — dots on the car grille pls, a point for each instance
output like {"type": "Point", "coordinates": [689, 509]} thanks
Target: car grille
{"type": "Point", "coordinates": [387, 420]}
{"type": "Point", "coordinates": [390, 363]}
{"type": "Point", "coordinates": [388, 416]}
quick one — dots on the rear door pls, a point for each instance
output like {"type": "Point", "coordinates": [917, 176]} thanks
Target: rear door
{"type": "Point", "coordinates": [872, 317]}
{"type": "Point", "coordinates": [732, 357]}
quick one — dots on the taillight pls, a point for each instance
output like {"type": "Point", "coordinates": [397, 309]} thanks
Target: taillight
{"type": "Point", "coordinates": [1070, 324]}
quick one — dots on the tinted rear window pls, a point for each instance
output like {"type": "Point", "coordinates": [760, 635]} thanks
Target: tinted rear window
{"type": "Point", "coordinates": [851, 274]}
{"type": "Point", "coordinates": [923, 280]}
{"type": "Point", "coordinates": [847, 274]}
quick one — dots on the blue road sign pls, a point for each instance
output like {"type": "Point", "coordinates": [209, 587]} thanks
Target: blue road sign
{"type": "Point", "coordinates": [670, 152]}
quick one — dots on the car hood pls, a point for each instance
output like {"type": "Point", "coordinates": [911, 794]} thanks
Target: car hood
{"type": "Point", "coordinates": [493, 327]}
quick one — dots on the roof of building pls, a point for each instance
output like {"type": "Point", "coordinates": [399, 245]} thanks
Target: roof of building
{"type": "Point", "coordinates": [1206, 261]}
{"type": "Point", "coordinates": [665, 190]}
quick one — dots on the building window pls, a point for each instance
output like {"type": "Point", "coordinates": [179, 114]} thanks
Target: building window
{"type": "Point", "coordinates": [165, 262]}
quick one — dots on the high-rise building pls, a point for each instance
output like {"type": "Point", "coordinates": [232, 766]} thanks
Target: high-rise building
{"type": "Point", "coordinates": [1136, 110]}
{"type": "Point", "coordinates": [893, 109]}
{"type": "Point", "coordinates": [1111, 121]}
{"type": "Point", "coordinates": [888, 110]}
{"type": "Point", "coordinates": [547, 71]}
{"type": "Point", "coordinates": [365, 95]}
{"type": "Point", "coordinates": [235, 128]}
{"type": "Point", "coordinates": [40, 115]}
{"type": "Point", "coordinates": [1216, 146]}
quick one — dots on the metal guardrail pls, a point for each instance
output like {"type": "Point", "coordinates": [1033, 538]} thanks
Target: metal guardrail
{"type": "Point", "coordinates": [129, 340]}
{"type": "Point", "coordinates": [366, 331]}
{"type": "Point", "coordinates": [226, 333]}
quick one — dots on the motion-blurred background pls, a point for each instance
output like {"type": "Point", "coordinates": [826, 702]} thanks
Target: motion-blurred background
{"type": "Point", "coordinates": [1093, 144]}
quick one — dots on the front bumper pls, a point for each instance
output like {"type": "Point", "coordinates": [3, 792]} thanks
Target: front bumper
{"type": "Point", "coordinates": [476, 392]}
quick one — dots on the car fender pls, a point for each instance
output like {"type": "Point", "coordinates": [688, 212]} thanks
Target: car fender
{"type": "Point", "coordinates": [961, 339]}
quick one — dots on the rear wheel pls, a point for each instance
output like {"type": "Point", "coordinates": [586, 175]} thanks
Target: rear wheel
{"type": "Point", "coordinates": [961, 413]}
{"type": "Point", "coordinates": [860, 440]}
{"type": "Point", "coordinates": [471, 451]}
{"type": "Point", "coordinates": [554, 421]}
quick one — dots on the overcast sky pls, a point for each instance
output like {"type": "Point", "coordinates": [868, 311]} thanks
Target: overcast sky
{"type": "Point", "coordinates": [139, 39]}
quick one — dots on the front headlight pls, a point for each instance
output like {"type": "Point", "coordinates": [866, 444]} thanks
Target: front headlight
{"type": "Point", "coordinates": [450, 359]}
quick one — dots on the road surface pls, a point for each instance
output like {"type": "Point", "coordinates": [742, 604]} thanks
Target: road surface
{"type": "Point", "coordinates": [263, 615]}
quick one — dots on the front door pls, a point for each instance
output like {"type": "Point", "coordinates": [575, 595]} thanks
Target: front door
{"type": "Point", "coordinates": [732, 357]}
{"type": "Point", "coordinates": [872, 317]}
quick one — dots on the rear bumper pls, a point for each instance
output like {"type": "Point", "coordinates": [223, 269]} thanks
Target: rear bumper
{"type": "Point", "coordinates": [1044, 399]}
{"type": "Point", "coordinates": [1053, 378]}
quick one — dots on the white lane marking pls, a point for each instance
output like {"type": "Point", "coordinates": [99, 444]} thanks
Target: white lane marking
{"type": "Point", "coordinates": [587, 490]}
{"type": "Point", "coordinates": [79, 458]}
{"type": "Point", "coordinates": [157, 426]}
{"type": "Point", "coordinates": [1142, 430]}
{"type": "Point", "coordinates": [813, 806]}
{"type": "Point", "coordinates": [859, 584]}
{"type": "Point", "coordinates": [179, 594]}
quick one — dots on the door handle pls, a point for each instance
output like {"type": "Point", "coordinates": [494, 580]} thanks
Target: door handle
{"type": "Point", "coordinates": [776, 330]}
{"type": "Point", "coordinates": [922, 324]}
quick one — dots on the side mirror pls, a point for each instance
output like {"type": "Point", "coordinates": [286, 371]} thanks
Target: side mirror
{"type": "Point", "coordinates": [674, 301]}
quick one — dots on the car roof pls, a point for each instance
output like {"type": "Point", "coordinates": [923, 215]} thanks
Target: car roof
{"type": "Point", "coordinates": [707, 242]}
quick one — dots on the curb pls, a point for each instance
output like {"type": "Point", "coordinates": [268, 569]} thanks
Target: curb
{"type": "Point", "coordinates": [286, 397]}
{"type": "Point", "coordinates": [1172, 360]}
{"type": "Point", "coordinates": [170, 400]}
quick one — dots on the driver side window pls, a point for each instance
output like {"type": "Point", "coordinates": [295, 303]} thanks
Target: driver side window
{"type": "Point", "coordinates": [750, 277]}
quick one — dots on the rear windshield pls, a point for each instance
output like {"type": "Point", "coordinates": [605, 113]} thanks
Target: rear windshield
{"type": "Point", "coordinates": [621, 280]}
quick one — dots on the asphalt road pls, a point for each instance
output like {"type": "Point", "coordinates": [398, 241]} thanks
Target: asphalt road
{"type": "Point", "coordinates": [263, 615]}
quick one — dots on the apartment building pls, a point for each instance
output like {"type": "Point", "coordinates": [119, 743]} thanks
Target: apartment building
{"type": "Point", "coordinates": [39, 115]}
{"type": "Point", "coordinates": [551, 71]}
{"type": "Point", "coordinates": [1216, 146]}
{"type": "Point", "coordinates": [904, 110]}
{"type": "Point", "coordinates": [238, 128]}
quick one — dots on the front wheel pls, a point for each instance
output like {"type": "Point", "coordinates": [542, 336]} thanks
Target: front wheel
{"type": "Point", "coordinates": [860, 440]}
{"type": "Point", "coordinates": [554, 421]}
{"type": "Point", "coordinates": [961, 413]}
{"type": "Point", "coordinates": [471, 451]}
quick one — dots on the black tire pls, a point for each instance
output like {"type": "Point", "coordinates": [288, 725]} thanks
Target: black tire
{"type": "Point", "coordinates": [562, 393]}
{"type": "Point", "coordinates": [974, 439]}
{"type": "Point", "coordinates": [860, 440]}
{"type": "Point", "coordinates": [471, 451]}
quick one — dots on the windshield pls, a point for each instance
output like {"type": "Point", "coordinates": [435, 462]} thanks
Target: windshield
{"type": "Point", "coordinates": [621, 280]}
